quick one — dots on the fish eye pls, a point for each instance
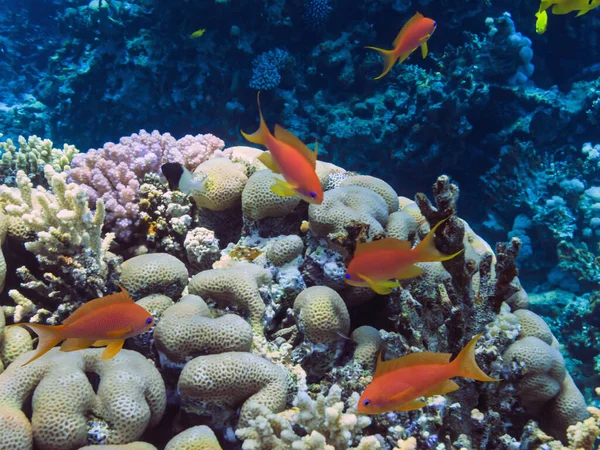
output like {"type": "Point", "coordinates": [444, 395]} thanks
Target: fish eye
{"type": "Point", "coordinates": [148, 320]}
{"type": "Point", "coordinates": [366, 402]}
{"type": "Point", "coordinates": [313, 194]}
{"type": "Point", "coordinates": [347, 276]}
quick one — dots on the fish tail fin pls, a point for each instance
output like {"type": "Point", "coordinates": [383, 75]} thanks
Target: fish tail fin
{"type": "Point", "coordinates": [48, 337]}
{"type": "Point", "coordinates": [389, 59]}
{"type": "Point", "coordinates": [427, 250]}
{"type": "Point", "coordinates": [259, 136]}
{"type": "Point", "coordinates": [467, 367]}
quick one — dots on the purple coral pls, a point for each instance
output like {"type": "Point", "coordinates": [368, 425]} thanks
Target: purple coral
{"type": "Point", "coordinates": [115, 171]}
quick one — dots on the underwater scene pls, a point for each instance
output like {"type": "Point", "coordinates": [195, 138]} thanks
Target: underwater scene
{"type": "Point", "coordinates": [300, 225]}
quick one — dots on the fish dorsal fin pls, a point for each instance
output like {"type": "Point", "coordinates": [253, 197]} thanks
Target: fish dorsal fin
{"type": "Point", "coordinates": [414, 359]}
{"type": "Point", "coordinates": [406, 26]}
{"type": "Point", "coordinates": [93, 305]}
{"type": "Point", "coordinates": [382, 244]}
{"type": "Point", "coordinates": [285, 136]}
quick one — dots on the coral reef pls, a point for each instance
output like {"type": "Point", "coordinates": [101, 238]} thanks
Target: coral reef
{"type": "Point", "coordinates": [129, 398]}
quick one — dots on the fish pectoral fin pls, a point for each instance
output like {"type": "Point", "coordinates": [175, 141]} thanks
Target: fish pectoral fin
{"type": "Point", "coordinates": [380, 287]}
{"type": "Point", "coordinates": [424, 49]}
{"type": "Point", "coordinates": [402, 394]}
{"type": "Point", "coordinates": [410, 406]}
{"type": "Point", "coordinates": [74, 344]}
{"type": "Point", "coordinates": [103, 343]}
{"type": "Point", "coordinates": [113, 348]}
{"type": "Point", "coordinates": [442, 388]}
{"type": "Point", "coordinates": [409, 272]}
{"type": "Point", "coordinates": [119, 333]}
{"type": "Point", "coordinates": [283, 188]}
{"type": "Point", "coordinates": [267, 159]}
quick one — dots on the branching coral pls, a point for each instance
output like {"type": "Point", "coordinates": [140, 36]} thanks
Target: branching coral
{"type": "Point", "coordinates": [114, 173]}
{"type": "Point", "coordinates": [31, 157]}
{"type": "Point", "coordinates": [67, 241]}
{"type": "Point", "coordinates": [328, 422]}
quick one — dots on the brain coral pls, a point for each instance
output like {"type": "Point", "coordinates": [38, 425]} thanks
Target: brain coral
{"type": "Point", "coordinates": [258, 201]}
{"type": "Point", "coordinates": [545, 370]}
{"type": "Point", "coordinates": [284, 249]}
{"type": "Point", "coordinates": [534, 325]}
{"type": "Point", "coordinates": [154, 273]}
{"type": "Point", "coordinates": [130, 397]}
{"type": "Point", "coordinates": [130, 446]}
{"type": "Point", "coordinates": [322, 315]}
{"type": "Point", "coordinates": [14, 341]}
{"type": "Point", "coordinates": [376, 185]}
{"type": "Point", "coordinates": [223, 186]}
{"type": "Point", "coordinates": [196, 438]}
{"type": "Point", "coordinates": [215, 383]}
{"type": "Point", "coordinates": [186, 330]}
{"type": "Point", "coordinates": [3, 231]}
{"type": "Point", "coordinates": [345, 204]}
{"type": "Point", "coordinates": [566, 409]}
{"type": "Point", "coordinates": [401, 225]}
{"type": "Point", "coordinates": [368, 340]}
{"type": "Point", "coordinates": [236, 286]}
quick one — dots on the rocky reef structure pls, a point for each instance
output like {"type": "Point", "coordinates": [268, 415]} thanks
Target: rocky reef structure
{"type": "Point", "coordinates": [258, 343]}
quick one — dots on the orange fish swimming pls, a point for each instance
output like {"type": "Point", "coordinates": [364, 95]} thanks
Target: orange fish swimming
{"type": "Point", "coordinates": [105, 321]}
{"type": "Point", "coordinates": [414, 34]}
{"type": "Point", "coordinates": [398, 384]}
{"type": "Point", "coordinates": [289, 157]}
{"type": "Point", "coordinates": [376, 264]}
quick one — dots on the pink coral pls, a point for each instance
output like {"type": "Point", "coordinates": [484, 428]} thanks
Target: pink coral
{"type": "Point", "coordinates": [115, 171]}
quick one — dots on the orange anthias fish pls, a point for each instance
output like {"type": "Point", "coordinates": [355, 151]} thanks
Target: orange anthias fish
{"type": "Point", "coordinates": [398, 384]}
{"type": "Point", "coordinates": [377, 263]}
{"type": "Point", "coordinates": [292, 159]}
{"type": "Point", "coordinates": [414, 34]}
{"type": "Point", "coordinates": [105, 321]}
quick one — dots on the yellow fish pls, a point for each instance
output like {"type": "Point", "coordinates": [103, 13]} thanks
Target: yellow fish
{"type": "Point", "coordinates": [560, 7]}
{"type": "Point", "coordinates": [197, 34]}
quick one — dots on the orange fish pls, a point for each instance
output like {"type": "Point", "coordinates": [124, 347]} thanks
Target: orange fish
{"type": "Point", "coordinates": [105, 321]}
{"type": "Point", "coordinates": [413, 34]}
{"type": "Point", "coordinates": [292, 159]}
{"type": "Point", "coordinates": [376, 263]}
{"type": "Point", "coordinates": [397, 384]}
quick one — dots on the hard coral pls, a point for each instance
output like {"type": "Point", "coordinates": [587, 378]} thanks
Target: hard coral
{"type": "Point", "coordinates": [343, 205]}
{"type": "Point", "coordinates": [186, 330]}
{"type": "Point", "coordinates": [219, 383]}
{"type": "Point", "coordinates": [236, 286]}
{"type": "Point", "coordinates": [196, 438]}
{"type": "Point", "coordinates": [130, 397]}
{"type": "Point", "coordinates": [155, 273]}
{"type": "Point", "coordinates": [223, 185]}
